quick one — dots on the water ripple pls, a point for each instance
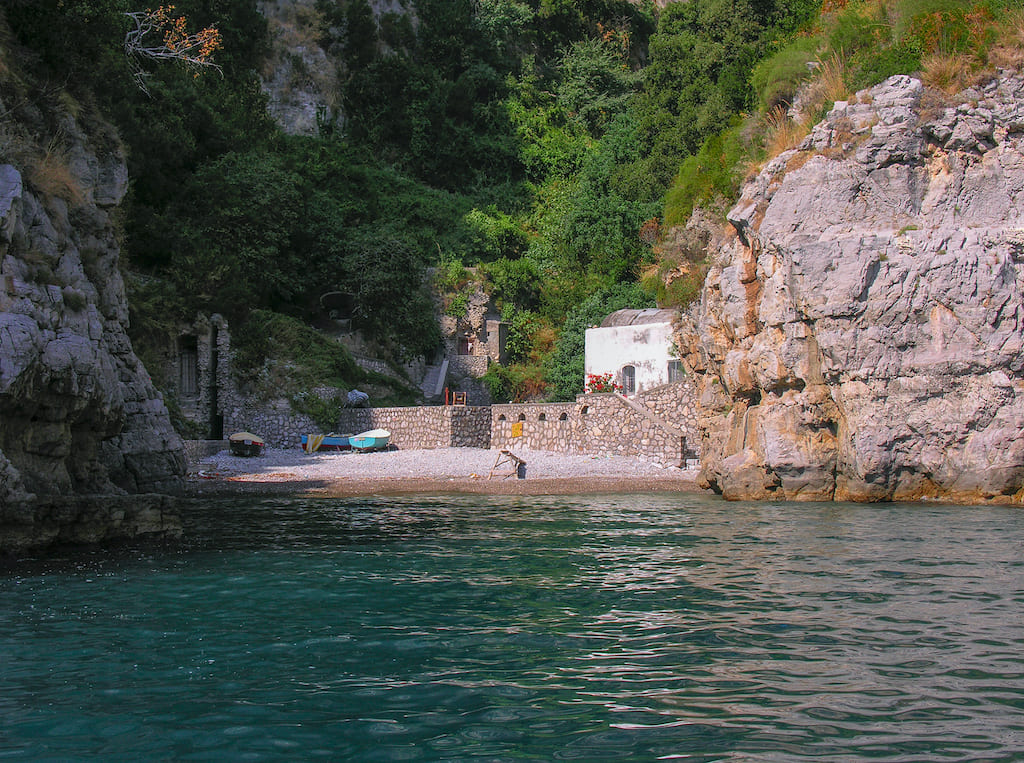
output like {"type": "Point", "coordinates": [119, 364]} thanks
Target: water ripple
{"type": "Point", "coordinates": [450, 628]}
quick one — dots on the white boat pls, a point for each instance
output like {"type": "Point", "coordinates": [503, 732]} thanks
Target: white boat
{"type": "Point", "coordinates": [375, 439]}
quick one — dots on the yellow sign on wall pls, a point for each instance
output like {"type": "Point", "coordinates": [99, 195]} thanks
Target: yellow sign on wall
{"type": "Point", "coordinates": [517, 429]}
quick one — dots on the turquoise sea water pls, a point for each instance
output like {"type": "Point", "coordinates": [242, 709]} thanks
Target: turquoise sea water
{"type": "Point", "coordinates": [636, 627]}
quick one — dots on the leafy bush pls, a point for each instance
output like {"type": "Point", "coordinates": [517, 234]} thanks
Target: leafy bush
{"type": "Point", "coordinates": [713, 173]}
{"type": "Point", "coordinates": [517, 383]}
{"type": "Point", "coordinates": [324, 410]}
{"type": "Point", "coordinates": [776, 78]}
{"type": "Point", "coordinates": [303, 357]}
{"type": "Point", "coordinates": [513, 282]}
{"type": "Point", "coordinates": [393, 304]}
{"type": "Point", "coordinates": [566, 364]}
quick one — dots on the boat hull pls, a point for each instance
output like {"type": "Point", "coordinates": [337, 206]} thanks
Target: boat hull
{"type": "Point", "coordinates": [245, 444]}
{"type": "Point", "coordinates": [375, 439]}
{"type": "Point", "coordinates": [330, 442]}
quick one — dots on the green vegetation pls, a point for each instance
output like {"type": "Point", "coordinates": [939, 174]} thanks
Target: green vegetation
{"type": "Point", "coordinates": [279, 355]}
{"type": "Point", "coordinates": [549, 144]}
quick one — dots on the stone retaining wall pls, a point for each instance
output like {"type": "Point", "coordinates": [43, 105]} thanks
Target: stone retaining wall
{"type": "Point", "coordinates": [435, 426]}
{"type": "Point", "coordinates": [597, 424]}
{"type": "Point", "coordinates": [413, 370]}
{"type": "Point", "coordinates": [468, 365]}
{"type": "Point", "coordinates": [659, 424]}
{"type": "Point", "coordinates": [545, 426]}
{"type": "Point", "coordinates": [675, 403]}
{"type": "Point", "coordinates": [275, 422]}
{"type": "Point", "coordinates": [609, 424]}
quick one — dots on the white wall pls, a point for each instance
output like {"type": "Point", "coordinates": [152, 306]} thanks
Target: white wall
{"type": "Point", "coordinates": [645, 347]}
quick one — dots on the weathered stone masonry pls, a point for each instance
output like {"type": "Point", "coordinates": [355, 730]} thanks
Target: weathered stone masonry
{"type": "Point", "coordinates": [660, 424]}
{"type": "Point", "coordinates": [424, 426]}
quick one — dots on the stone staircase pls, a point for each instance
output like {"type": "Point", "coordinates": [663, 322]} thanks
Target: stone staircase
{"type": "Point", "coordinates": [434, 380]}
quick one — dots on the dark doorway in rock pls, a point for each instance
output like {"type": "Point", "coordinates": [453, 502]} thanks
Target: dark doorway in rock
{"type": "Point", "coordinates": [188, 367]}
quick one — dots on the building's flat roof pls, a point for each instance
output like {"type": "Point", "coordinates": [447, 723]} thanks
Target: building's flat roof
{"type": "Point", "coordinates": [637, 317]}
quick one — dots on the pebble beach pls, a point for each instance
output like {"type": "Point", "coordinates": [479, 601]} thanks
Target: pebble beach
{"type": "Point", "coordinates": [462, 470]}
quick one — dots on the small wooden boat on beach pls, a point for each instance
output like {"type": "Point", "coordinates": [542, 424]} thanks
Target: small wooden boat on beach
{"type": "Point", "coordinates": [245, 444]}
{"type": "Point", "coordinates": [375, 439]}
{"type": "Point", "coordinates": [314, 442]}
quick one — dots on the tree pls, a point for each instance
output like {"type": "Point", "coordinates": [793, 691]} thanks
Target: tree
{"type": "Point", "coordinates": [388, 278]}
{"type": "Point", "coordinates": [596, 83]}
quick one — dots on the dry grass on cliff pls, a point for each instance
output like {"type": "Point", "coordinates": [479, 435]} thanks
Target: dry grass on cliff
{"type": "Point", "coordinates": [786, 128]}
{"type": "Point", "coordinates": [51, 175]}
{"type": "Point", "coordinates": [1008, 50]}
{"type": "Point", "coordinates": [783, 132]}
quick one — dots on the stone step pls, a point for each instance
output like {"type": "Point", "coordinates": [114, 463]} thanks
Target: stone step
{"type": "Point", "coordinates": [429, 384]}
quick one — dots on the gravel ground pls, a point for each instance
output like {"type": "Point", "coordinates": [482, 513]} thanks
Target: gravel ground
{"type": "Point", "coordinates": [458, 469]}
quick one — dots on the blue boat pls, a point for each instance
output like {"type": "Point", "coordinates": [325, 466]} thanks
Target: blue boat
{"type": "Point", "coordinates": [375, 439]}
{"type": "Point", "coordinates": [315, 442]}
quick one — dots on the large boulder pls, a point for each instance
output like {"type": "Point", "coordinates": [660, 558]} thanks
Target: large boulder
{"type": "Point", "coordinates": [860, 336]}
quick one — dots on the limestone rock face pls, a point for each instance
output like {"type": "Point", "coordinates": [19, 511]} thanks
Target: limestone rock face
{"type": "Point", "coordinates": [860, 336]}
{"type": "Point", "coordinates": [78, 412]}
{"type": "Point", "coordinates": [305, 70]}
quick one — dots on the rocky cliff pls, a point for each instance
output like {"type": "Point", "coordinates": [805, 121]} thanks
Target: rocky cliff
{"type": "Point", "coordinates": [860, 335]}
{"type": "Point", "coordinates": [78, 413]}
{"type": "Point", "coordinates": [305, 68]}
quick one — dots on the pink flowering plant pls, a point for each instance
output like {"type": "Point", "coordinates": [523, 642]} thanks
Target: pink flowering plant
{"type": "Point", "coordinates": [602, 383]}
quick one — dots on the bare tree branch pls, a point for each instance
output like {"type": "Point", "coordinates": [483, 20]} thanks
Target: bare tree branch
{"type": "Point", "coordinates": [160, 36]}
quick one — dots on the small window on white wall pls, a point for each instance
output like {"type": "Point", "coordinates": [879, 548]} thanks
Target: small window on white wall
{"type": "Point", "coordinates": [628, 380]}
{"type": "Point", "coordinates": [675, 371]}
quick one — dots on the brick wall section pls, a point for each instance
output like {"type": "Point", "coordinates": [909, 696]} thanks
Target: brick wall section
{"type": "Point", "coordinates": [435, 426]}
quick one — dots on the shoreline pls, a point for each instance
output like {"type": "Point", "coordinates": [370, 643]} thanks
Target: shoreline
{"type": "Point", "coordinates": [445, 470]}
{"type": "Point", "coordinates": [348, 488]}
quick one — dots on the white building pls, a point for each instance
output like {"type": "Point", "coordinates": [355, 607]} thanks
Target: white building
{"type": "Point", "coordinates": [634, 346]}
